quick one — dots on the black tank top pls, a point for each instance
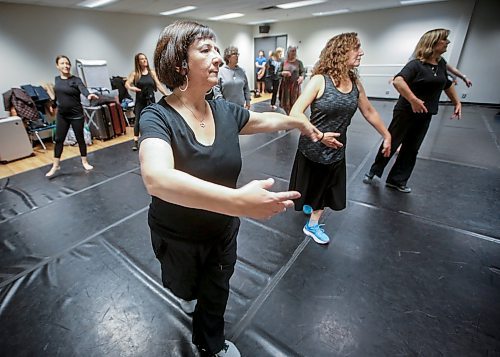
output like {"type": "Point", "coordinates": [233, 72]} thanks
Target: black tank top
{"type": "Point", "coordinates": [147, 86]}
{"type": "Point", "coordinates": [332, 112]}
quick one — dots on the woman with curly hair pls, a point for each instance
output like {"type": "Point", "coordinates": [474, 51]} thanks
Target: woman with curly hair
{"type": "Point", "coordinates": [334, 93]}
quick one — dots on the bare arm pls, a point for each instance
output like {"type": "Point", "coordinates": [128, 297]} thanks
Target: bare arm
{"type": "Point", "coordinates": [162, 180]}
{"type": "Point", "coordinates": [373, 117]}
{"type": "Point", "coordinates": [456, 72]}
{"type": "Point", "coordinates": [314, 89]}
{"type": "Point", "coordinates": [402, 87]}
{"type": "Point", "coordinates": [452, 94]}
{"type": "Point", "coordinates": [129, 83]}
{"type": "Point", "coordinates": [159, 85]}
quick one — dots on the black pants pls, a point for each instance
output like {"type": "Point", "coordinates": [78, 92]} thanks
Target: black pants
{"type": "Point", "coordinates": [62, 127]}
{"type": "Point", "coordinates": [407, 129]}
{"type": "Point", "coordinates": [276, 86]}
{"type": "Point", "coordinates": [200, 270]}
{"type": "Point", "coordinates": [139, 106]}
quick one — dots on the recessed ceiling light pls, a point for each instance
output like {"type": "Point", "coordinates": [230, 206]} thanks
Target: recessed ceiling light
{"type": "Point", "coordinates": [95, 3]}
{"type": "Point", "coordinates": [178, 11]}
{"type": "Point", "coordinates": [293, 5]}
{"type": "Point", "coordinates": [334, 12]}
{"type": "Point", "coordinates": [232, 15]}
{"type": "Point", "coordinates": [411, 2]}
{"type": "Point", "coordinates": [260, 22]}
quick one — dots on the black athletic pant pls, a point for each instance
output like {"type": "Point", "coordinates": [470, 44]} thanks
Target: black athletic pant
{"type": "Point", "coordinates": [407, 129]}
{"type": "Point", "coordinates": [276, 86]}
{"type": "Point", "coordinates": [62, 127]}
{"type": "Point", "coordinates": [200, 270]}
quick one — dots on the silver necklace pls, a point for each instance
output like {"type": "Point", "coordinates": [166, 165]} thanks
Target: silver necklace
{"type": "Point", "coordinates": [202, 121]}
{"type": "Point", "coordinates": [434, 69]}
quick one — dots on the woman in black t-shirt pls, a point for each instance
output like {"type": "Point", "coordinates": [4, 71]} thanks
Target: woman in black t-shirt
{"type": "Point", "coordinates": [190, 161]}
{"type": "Point", "coordinates": [144, 82]}
{"type": "Point", "coordinates": [67, 90]}
{"type": "Point", "coordinates": [419, 84]}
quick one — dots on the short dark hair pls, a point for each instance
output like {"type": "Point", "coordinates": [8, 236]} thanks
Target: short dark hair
{"type": "Point", "coordinates": [231, 50]}
{"type": "Point", "coordinates": [62, 56]}
{"type": "Point", "coordinates": [172, 50]}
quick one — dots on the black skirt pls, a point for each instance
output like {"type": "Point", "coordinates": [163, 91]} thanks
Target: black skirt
{"type": "Point", "coordinates": [320, 185]}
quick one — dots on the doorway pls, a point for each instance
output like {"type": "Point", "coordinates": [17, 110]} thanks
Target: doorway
{"type": "Point", "coordinates": [267, 44]}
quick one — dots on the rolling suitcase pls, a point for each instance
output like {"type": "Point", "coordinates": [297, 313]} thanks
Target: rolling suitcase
{"type": "Point", "coordinates": [14, 140]}
{"type": "Point", "coordinates": [99, 122]}
{"type": "Point", "coordinates": [117, 118]}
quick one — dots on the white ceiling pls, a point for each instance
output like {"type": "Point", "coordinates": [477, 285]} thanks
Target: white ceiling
{"type": "Point", "coordinates": [254, 10]}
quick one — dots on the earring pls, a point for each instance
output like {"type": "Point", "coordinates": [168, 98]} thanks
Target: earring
{"type": "Point", "coordinates": [187, 84]}
{"type": "Point", "coordinates": [210, 91]}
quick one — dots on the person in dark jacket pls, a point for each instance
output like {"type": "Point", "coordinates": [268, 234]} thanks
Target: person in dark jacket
{"type": "Point", "coordinates": [69, 112]}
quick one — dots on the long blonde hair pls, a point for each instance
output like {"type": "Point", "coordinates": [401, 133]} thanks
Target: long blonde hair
{"type": "Point", "coordinates": [425, 46]}
{"type": "Point", "coordinates": [333, 58]}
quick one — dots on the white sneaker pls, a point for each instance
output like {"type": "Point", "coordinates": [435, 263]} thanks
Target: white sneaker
{"type": "Point", "coordinates": [187, 306]}
{"type": "Point", "coordinates": [229, 350]}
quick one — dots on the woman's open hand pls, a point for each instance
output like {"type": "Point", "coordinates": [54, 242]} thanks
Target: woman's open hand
{"type": "Point", "coordinates": [330, 140]}
{"type": "Point", "coordinates": [257, 202]}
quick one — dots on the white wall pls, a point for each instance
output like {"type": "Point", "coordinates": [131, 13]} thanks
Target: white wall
{"type": "Point", "coordinates": [389, 36]}
{"type": "Point", "coordinates": [28, 51]}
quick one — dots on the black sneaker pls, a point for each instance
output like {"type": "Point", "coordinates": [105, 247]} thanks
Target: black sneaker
{"type": "Point", "coordinates": [136, 146]}
{"type": "Point", "coordinates": [368, 178]}
{"type": "Point", "coordinates": [400, 188]}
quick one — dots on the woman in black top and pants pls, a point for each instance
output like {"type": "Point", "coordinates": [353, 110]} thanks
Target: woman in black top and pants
{"type": "Point", "coordinates": [190, 161]}
{"type": "Point", "coordinates": [67, 90]}
{"type": "Point", "coordinates": [144, 83]}
{"type": "Point", "coordinates": [419, 84]}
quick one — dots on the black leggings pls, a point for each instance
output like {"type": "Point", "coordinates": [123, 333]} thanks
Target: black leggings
{"type": "Point", "coordinates": [407, 129]}
{"type": "Point", "coordinates": [62, 127]}
{"type": "Point", "coordinates": [276, 85]}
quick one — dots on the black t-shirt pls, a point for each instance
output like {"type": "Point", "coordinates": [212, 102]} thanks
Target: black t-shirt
{"type": "Point", "coordinates": [67, 93]}
{"type": "Point", "coordinates": [219, 163]}
{"type": "Point", "coordinates": [426, 81]}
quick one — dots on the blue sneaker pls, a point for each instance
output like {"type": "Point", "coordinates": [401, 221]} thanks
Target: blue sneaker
{"type": "Point", "coordinates": [317, 233]}
{"type": "Point", "coordinates": [307, 209]}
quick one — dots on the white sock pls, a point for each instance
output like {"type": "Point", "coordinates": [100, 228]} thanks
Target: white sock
{"type": "Point", "coordinates": [312, 223]}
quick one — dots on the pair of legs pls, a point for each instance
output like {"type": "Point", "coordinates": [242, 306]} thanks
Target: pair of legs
{"type": "Point", "coordinates": [62, 127]}
{"type": "Point", "coordinates": [275, 88]}
{"type": "Point", "coordinates": [320, 185]}
{"type": "Point", "coordinates": [139, 106]}
{"type": "Point", "coordinates": [260, 86]}
{"type": "Point", "coordinates": [201, 270]}
{"type": "Point", "coordinates": [408, 130]}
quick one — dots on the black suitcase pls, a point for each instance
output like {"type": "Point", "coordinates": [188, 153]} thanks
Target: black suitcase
{"type": "Point", "coordinates": [99, 121]}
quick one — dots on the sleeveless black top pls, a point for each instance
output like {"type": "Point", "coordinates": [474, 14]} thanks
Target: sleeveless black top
{"type": "Point", "coordinates": [332, 112]}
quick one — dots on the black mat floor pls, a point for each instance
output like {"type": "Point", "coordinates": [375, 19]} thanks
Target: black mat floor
{"type": "Point", "coordinates": [405, 274]}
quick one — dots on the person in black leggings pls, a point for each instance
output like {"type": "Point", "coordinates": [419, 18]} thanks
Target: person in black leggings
{"type": "Point", "coordinates": [144, 82]}
{"type": "Point", "coordinates": [69, 112]}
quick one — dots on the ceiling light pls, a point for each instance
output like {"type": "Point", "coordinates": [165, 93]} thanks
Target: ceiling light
{"type": "Point", "coordinates": [334, 12]}
{"type": "Point", "coordinates": [260, 22]}
{"type": "Point", "coordinates": [95, 3]}
{"type": "Point", "coordinates": [178, 11]}
{"type": "Point", "coordinates": [232, 15]}
{"type": "Point", "coordinates": [293, 5]}
{"type": "Point", "coordinates": [411, 2]}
